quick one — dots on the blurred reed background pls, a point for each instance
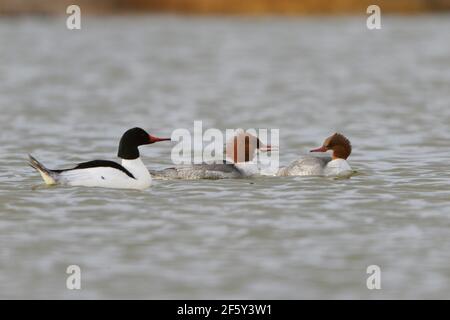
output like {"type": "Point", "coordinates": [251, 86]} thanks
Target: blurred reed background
{"type": "Point", "coordinates": [247, 7]}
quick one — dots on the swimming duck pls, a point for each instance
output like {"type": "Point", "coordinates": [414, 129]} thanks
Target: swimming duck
{"type": "Point", "coordinates": [240, 151]}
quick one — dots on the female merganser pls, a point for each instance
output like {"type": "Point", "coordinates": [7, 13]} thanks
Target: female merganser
{"type": "Point", "coordinates": [240, 152]}
{"type": "Point", "coordinates": [337, 165]}
{"type": "Point", "coordinates": [132, 174]}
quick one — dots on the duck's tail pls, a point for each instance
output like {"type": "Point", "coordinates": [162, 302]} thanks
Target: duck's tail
{"type": "Point", "coordinates": [46, 174]}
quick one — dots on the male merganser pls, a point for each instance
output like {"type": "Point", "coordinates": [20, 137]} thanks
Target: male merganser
{"type": "Point", "coordinates": [337, 165]}
{"type": "Point", "coordinates": [240, 152]}
{"type": "Point", "coordinates": [132, 174]}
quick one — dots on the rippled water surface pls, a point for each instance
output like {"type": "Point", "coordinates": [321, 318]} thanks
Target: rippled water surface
{"type": "Point", "coordinates": [67, 96]}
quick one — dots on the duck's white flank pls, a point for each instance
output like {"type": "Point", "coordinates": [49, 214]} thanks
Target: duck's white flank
{"type": "Point", "coordinates": [337, 167]}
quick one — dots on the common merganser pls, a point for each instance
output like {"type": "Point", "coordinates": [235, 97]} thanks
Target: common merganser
{"type": "Point", "coordinates": [336, 165]}
{"type": "Point", "coordinates": [131, 174]}
{"type": "Point", "coordinates": [240, 152]}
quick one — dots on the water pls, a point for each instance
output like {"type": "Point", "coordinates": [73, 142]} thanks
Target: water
{"type": "Point", "coordinates": [67, 96]}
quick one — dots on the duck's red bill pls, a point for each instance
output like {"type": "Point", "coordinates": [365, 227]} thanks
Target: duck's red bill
{"type": "Point", "coordinates": [321, 149]}
{"type": "Point", "coordinates": [156, 139]}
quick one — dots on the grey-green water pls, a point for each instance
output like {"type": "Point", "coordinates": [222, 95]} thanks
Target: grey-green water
{"type": "Point", "coordinates": [67, 96]}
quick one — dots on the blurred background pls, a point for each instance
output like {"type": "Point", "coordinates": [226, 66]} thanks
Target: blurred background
{"type": "Point", "coordinates": [253, 7]}
{"type": "Point", "coordinates": [308, 68]}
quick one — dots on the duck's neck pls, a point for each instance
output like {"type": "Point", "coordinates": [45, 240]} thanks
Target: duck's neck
{"type": "Point", "coordinates": [128, 151]}
{"type": "Point", "coordinates": [137, 168]}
